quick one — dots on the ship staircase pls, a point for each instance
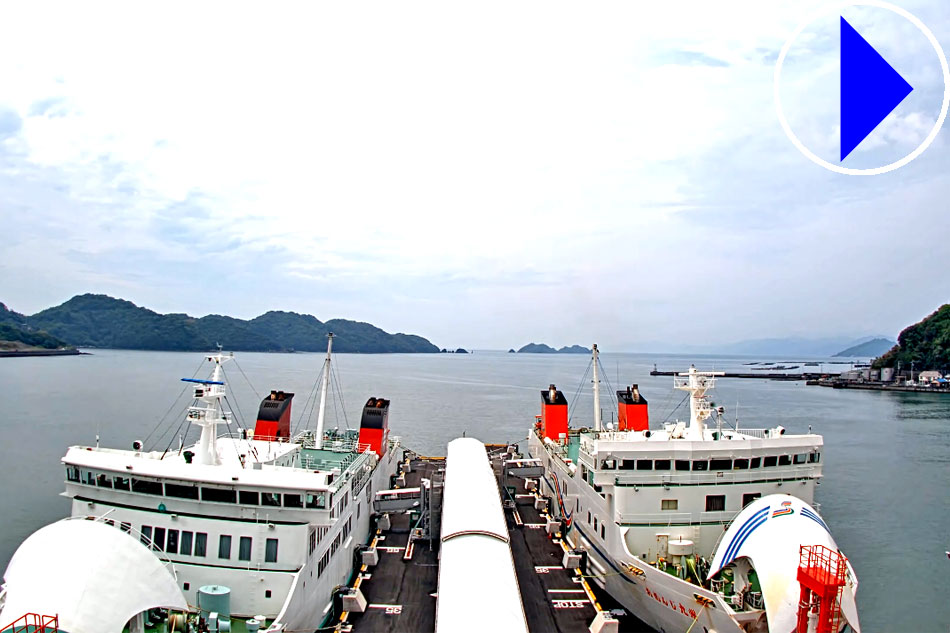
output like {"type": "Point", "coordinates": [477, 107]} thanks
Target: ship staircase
{"type": "Point", "coordinates": [821, 574]}
{"type": "Point", "coordinates": [423, 504]}
{"type": "Point", "coordinates": [33, 623]}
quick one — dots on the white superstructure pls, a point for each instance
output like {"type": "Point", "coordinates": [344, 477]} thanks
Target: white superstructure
{"type": "Point", "coordinates": [275, 519]}
{"type": "Point", "coordinates": [649, 506]}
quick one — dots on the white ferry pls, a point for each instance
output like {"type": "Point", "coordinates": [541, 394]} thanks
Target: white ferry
{"type": "Point", "coordinates": [696, 527]}
{"type": "Point", "coordinates": [274, 519]}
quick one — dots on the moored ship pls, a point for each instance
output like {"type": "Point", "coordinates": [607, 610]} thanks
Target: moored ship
{"type": "Point", "coordinates": [269, 519]}
{"type": "Point", "coordinates": [695, 525]}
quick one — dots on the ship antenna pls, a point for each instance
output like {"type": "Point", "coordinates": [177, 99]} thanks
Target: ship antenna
{"type": "Point", "coordinates": [598, 423]}
{"type": "Point", "coordinates": [323, 393]}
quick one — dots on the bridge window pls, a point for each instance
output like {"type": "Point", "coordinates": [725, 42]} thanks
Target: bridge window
{"type": "Point", "coordinates": [609, 464]}
{"type": "Point", "coordinates": [244, 548]}
{"type": "Point", "coordinates": [292, 501]}
{"type": "Point", "coordinates": [219, 495]}
{"type": "Point", "coordinates": [625, 464]}
{"type": "Point", "coordinates": [644, 464]}
{"type": "Point", "coordinates": [270, 551]}
{"type": "Point", "coordinates": [249, 498]}
{"type": "Point", "coordinates": [661, 464]}
{"type": "Point", "coordinates": [700, 464]}
{"type": "Point", "coordinates": [801, 458]}
{"type": "Point", "coordinates": [121, 483]}
{"type": "Point", "coordinates": [740, 464]}
{"type": "Point", "coordinates": [72, 473]}
{"type": "Point", "coordinates": [715, 503]}
{"type": "Point", "coordinates": [91, 478]}
{"type": "Point", "coordinates": [181, 491]}
{"type": "Point", "coordinates": [755, 462]}
{"type": "Point", "coordinates": [814, 458]}
{"type": "Point", "coordinates": [669, 504]}
{"type": "Point", "coordinates": [682, 464]}
{"type": "Point", "coordinates": [224, 546]}
{"type": "Point", "coordinates": [270, 499]}
{"type": "Point", "coordinates": [784, 460]}
{"type": "Point", "coordinates": [768, 462]}
{"type": "Point", "coordinates": [720, 464]}
{"type": "Point", "coordinates": [146, 486]}
{"type": "Point", "coordinates": [103, 481]}
{"type": "Point", "coordinates": [316, 500]}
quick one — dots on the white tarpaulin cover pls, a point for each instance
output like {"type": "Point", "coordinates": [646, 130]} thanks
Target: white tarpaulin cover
{"type": "Point", "coordinates": [770, 532]}
{"type": "Point", "coordinates": [478, 587]}
{"type": "Point", "coordinates": [95, 577]}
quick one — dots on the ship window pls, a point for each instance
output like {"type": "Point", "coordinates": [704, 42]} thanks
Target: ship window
{"type": "Point", "coordinates": [644, 464]}
{"type": "Point", "coordinates": [125, 527]}
{"type": "Point", "coordinates": [700, 464]}
{"type": "Point", "coordinates": [602, 532]}
{"type": "Point", "coordinates": [181, 491]}
{"type": "Point", "coordinates": [72, 473]}
{"type": "Point", "coordinates": [313, 540]}
{"type": "Point", "coordinates": [669, 504]}
{"type": "Point", "coordinates": [755, 462]}
{"type": "Point", "coordinates": [103, 481]}
{"type": "Point", "coordinates": [627, 464]}
{"type": "Point", "coordinates": [740, 464]}
{"type": "Point", "coordinates": [784, 460]}
{"type": "Point", "coordinates": [186, 586]}
{"type": "Point", "coordinates": [244, 548]}
{"type": "Point", "coordinates": [682, 464]}
{"type": "Point", "coordinates": [201, 544]}
{"type": "Point", "coordinates": [185, 545]}
{"type": "Point", "coordinates": [749, 497]}
{"type": "Point", "coordinates": [720, 464]}
{"type": "Point", "coordinates": [224, 546]}
{"type": "Point", "coordinates": [91, 478]}
{"type": "Point", "coordinates": [292, 501]}
{"type": "Point", "coordinates": [588, 517]}
{"type": "Point", "coordinates": [316, 500]}
{"type": "Point", "coordinates": [609, 464]}
{"type": "Point", "coordinates": [715, 503]}
{"type": "Point", "coordinates": [146, 486]}
{"type": "Point", "coordinates": [270, 551]}
{"type": "Point", "coordinates": [814, 458]}
{"type": "Point", "coordinates": [171, 545]}
{"type": "Point", "coordinates": [146, 535]}
{"type": "Point", "coordinates": [270, 499]}
{"type": "Point", "coordinates": [661, 464]}
{"type": "Point", "coordinates": [220, 495]}
{"type": "Point", "coordinates": [801, 458]}
{"type": "Point", "coordinates": [267, 593]}
{"type": "Point", "coordinates": [249, 498]}
{"type": "Point", "coordinates": [121, 483]}
{"type": "Point", "coordinates": [768, 462]}
{"type": "Point", "coordinates": [158, 542]}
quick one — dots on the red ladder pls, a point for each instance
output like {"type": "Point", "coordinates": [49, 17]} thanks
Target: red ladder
{"type": "Point", "coordinates": [33, 623]}
{"type": "Point", "coordinates": [821, 574]}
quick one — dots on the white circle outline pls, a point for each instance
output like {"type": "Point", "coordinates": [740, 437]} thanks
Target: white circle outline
{"type": "Point", "coordinates": [850, 171]}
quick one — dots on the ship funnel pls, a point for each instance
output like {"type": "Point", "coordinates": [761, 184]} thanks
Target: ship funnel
{"type": "Point", "coordinates": [553, 414]}
{"type": "Point", "coordinates": [633, 413]}
{"type": "Point", "coordinates": [273, 417]}
{"type": "Point", "coordinates": [374, 426]}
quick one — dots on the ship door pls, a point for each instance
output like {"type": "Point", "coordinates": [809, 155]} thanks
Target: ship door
{"type": "Point", "coordinates": [663, 546]}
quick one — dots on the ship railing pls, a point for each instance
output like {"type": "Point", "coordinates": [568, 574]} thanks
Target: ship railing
{"type": "Point", "coordinates": [712, 477]}
{"type": "Point", "coordinates": [674, 518]}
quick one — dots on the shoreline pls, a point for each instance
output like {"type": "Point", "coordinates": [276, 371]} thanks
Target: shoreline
{"type": "Point", "coordinates": [20, 353]}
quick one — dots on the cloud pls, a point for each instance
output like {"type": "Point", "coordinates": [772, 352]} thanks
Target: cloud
{"type": "Point", "coordinates": [10, 123]}
{"type": "Point", "coordinates": [692, 58]}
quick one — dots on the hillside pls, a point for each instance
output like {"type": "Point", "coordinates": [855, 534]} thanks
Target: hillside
{"type": "Point", "coordinates": [101, 321]}
{"type": "Point", "coordinates": [868, 349]}
{"type": "Point", "coordinates": [15, 338]}
{"type": "Point", "coordinates": [926, 344]}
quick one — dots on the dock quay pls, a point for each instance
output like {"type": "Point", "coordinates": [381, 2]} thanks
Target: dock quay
{"type": "Point", "coordinates": [760, 375]}
{"type": "Point", "coordinates": [876, 386]}
{"type": "Point", "coordinates": [400, 591]}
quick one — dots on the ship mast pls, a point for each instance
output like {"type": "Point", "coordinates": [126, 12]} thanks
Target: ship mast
{"type": "Point", "coordinates": [697, 383]}
{"type": "Point", "coordinates": [206, 413]}
{"type": "Point", "coordinates": [323, 393]}
{"type": "Point", "coordinates": [598, 423]}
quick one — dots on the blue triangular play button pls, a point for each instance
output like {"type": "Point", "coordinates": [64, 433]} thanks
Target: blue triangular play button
{"type": "Point", "coordinates": [870, 88]}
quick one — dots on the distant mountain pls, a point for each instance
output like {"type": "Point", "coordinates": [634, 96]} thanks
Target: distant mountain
{"type": "Point", "coordinates": [11, 317]}
{"type": "Point", "coordinates": [541, 348]}
{"type": "Point", "coordinates": [926, 344]}
{"type": "Point", "coordinates": [869, 349]}
{"type": "Point", "coordinates": [101, 321]}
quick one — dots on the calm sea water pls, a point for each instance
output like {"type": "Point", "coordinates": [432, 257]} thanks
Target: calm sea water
{"type": "Point", "coordinates": [886, 461]}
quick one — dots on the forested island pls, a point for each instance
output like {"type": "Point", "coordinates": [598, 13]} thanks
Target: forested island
{"type": "Point", "coordinates": [925, 344]}
{"type": "Point", "coordinates": [541, 348]}
{"type": "Point", "coordinates": [91, 320]}
{"type": "Point", "coordinates": [867, 349]}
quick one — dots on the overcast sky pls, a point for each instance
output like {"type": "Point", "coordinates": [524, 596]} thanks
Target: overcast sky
{"type": "Point", "coordinates": [483, 176]}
